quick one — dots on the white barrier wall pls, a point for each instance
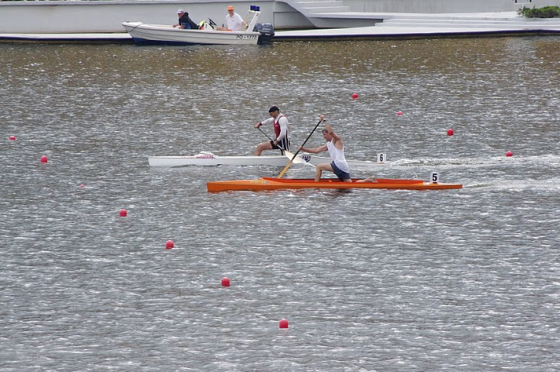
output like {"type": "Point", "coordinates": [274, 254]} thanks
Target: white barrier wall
{"type": "Point", "coordinates": [43, 17]}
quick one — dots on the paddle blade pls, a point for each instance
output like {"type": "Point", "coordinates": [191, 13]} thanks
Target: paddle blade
{"type": "Point", "coordinates": [297, 159]}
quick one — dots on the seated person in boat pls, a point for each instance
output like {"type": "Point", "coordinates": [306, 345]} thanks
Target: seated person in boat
{"type": "Point", "coordinates": [185, 21]}
{"type": "Point", "coordinates": [234, 22]}
{"type": "Point", "coordinates": [281, 125]}
{"type": "Point", "coordinates": [335, 147]}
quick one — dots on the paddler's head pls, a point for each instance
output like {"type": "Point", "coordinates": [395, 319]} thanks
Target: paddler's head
{"type": "Point", "coordinates": [326, 135]}
{"type": "Point", "coordinates": [274, 111]}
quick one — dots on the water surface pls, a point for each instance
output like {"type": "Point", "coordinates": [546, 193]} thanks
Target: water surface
{"type": "Point", "coordinates": [370, 280]}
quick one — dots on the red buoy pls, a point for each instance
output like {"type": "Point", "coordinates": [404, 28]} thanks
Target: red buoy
{"type": "Point", "coordinates": [44, 159]}
{"type": "Point", "coordinates": [12, 138]}
{"type": "Point", "coordinates": [123, 213]}
{"type": "Point", "coordinates": [509, 153]}
{"type": "Point", "coordinates": [450, 132]}
{"type": "Point", "coordinates": [283, 323]}
{"type": "Point", "coordinates": [169, 244]}
{"type": "Point", "coordinates": [399, 113]}
{"type": "Point", "coordinates": [82, 186]}
{"type": "Point", "coordinates": [355, 96]}
{"type": "Point", "coordinates": [225, 282]}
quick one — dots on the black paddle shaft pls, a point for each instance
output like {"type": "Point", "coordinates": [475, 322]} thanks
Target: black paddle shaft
{"type": "Point", "coordinates": [267, 136]}
{"type": "Point", "coordinates": [307, 139]}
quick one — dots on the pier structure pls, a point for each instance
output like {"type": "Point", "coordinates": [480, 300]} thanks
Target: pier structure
{"type": "Point", "coordinates": [101, 21]}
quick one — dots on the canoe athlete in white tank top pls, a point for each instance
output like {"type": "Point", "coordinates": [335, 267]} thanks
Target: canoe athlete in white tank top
{"type": "Point", "coordinates": [335, 147]}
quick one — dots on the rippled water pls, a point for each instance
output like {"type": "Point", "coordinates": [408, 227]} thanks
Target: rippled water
{"type": "Point", "coordinates": [369, 280]}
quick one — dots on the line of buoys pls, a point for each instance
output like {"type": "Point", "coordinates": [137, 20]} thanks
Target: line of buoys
{"type": "Point", "coordinates": [168, 244]}
{"type": "Point", "coordinates": [283, 323]}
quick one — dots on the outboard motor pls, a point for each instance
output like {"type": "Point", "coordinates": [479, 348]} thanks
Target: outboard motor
{"type": "Point", "coordinates": [266, 31]}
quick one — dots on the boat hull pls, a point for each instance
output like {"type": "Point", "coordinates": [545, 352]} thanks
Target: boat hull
{"type": "Point", "coordinates": [214, 160]}
{"type": "Point", "coordinates": [167, 35]}
{"type": "Point", "coordinates": [264, 184]}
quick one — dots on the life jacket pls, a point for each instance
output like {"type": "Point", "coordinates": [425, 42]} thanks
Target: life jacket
{"type": "Point", "coordinates": [276, 125]}
{"type": "Point", "coordinates": [187, 21]}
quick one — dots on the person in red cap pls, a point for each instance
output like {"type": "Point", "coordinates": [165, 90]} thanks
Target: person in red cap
{"type": "Point", "coordinates": [234, 22]}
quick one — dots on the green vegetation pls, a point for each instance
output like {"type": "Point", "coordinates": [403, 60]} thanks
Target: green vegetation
{"type": "Point", "coordinates": [545, 12]}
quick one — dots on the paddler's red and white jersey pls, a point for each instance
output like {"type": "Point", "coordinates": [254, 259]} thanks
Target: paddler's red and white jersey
{"type": "Point", "coordinates": [281, 126]}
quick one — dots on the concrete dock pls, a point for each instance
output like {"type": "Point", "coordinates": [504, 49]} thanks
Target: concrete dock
{"type": "Point", "coordinates": [421, 25]}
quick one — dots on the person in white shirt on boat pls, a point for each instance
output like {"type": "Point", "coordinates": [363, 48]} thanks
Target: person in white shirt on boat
{"type": "Point", "coordinates": [335, 147]}
{"type": "Point", "coordinates": [234, 22]}
{"type": "Point", "coordinates": [185, 21]}
{"type": "Point", "coordinates": [281, 126]}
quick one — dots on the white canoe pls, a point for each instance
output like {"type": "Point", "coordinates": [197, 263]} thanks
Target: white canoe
{"type": "Point", "coordinates": [144, 33]}
{"type": "Point", "coordinates": [209, 159]}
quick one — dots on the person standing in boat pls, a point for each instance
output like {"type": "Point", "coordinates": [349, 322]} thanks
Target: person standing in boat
{"type": "Point", "coordinates": [234, 22]}
{"type": "Point", "coordinates": [335, 147]}
{"type": "Point", "coordinates": [185, 21]}
{"type": "Point", "coordinates": [281, 126]}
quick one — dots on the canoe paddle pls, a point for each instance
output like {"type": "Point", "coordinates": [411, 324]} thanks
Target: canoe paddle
{"type": "Point", "coordinates": [286, 152]}
{"type": "Point", "coordinates": [297, 152]}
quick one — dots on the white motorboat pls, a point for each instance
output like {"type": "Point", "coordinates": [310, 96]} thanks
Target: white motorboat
{"type": "Point", "coordinates": [144, 33]}
{"type": "Point", "coordinates": [206, 158]}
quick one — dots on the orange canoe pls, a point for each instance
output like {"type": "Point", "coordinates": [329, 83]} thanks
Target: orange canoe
{"type": "Point", "coordinates": [267, 183]}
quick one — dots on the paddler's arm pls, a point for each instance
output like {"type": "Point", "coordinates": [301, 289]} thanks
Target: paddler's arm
{"type": "Point", "coordinates": [314, 150]}
{"type": "Point", "coordinates": [331, 132]}
{"type": "Point", "coordinates": [267, 121]}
